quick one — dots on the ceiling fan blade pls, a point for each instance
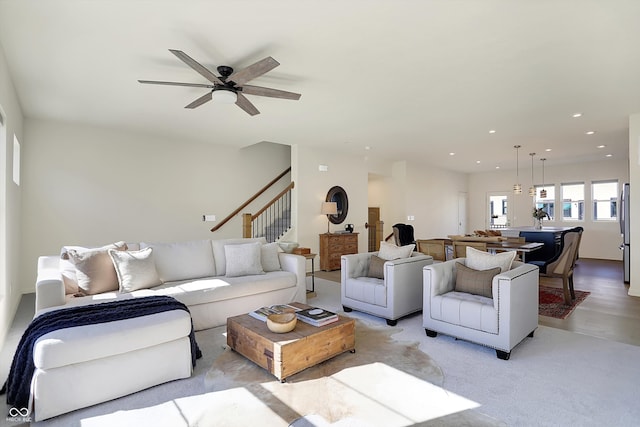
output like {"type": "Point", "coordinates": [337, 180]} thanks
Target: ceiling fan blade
{"type": "Point", "coordinates": [155, 82]}
{"type": "Point", "coordinates": [273, 93]}
{"type": "Point", "coordinates": [196, 66]}
{"type": "Point", "coordinates": [246, 105]}
{"type": "Point", "coordinates": [253, 71]}
{"type": "Point", "coordinates": [198, 102]}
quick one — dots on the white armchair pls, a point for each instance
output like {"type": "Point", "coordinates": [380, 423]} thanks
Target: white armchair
{"type": "Point", "coordinates": [500, 322]}
{"type": "Point", "coordinates": [396, 295]}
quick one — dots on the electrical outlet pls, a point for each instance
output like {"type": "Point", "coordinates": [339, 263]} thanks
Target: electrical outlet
{"type": "Point", "coordinates": [208, 218]}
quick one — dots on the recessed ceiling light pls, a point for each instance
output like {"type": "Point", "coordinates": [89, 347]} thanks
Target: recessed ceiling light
{"type": "Point", "coordinates": [547, 149]}
{"type": "Point", "coordinates": [576, 115]}
{"type": "Point", "coordinates": [492, 131]}
{"type": "Point", "coordinates": [609, 155]}
{"type": "Point", "coordinates": [590, 132]}
{"type": "Point", "coordinates": [601, 146]}
{"type": "Point", "coordinates": [477, 162]}
{"type": "Point", "coordinates": [367, 148]}
{"type": "Point", "coordinates": [452, 154]}
{"type": "Point", "coordinates": [497, 167]}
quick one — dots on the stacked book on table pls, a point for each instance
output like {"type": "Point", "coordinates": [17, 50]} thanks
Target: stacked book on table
{"type": "Point", "coordinates": [263, 312]}
{"type": "Point", "coordinates": [317, 316]}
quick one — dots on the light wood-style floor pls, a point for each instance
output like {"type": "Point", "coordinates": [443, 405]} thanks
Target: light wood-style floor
{"type": "Point", "coordinates": [609, 312]}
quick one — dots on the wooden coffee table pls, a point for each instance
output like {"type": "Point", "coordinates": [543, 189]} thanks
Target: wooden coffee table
{"type": "Point", "coordinates": [286, 354]}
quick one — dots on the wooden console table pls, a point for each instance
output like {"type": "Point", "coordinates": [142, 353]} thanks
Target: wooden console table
{"type": "Point", "coordinates": [333, 246]}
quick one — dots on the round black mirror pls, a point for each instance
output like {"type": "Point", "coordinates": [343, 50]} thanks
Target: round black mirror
{"type": "Point", "coordinates": [338, 195]}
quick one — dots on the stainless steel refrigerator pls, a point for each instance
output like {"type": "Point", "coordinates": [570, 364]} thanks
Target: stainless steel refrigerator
{"type": "Point", "coordinates": [624, 229]}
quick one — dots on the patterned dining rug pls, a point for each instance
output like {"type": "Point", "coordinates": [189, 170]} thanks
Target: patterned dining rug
{"type": "Point", "coordinates": [551, 302]}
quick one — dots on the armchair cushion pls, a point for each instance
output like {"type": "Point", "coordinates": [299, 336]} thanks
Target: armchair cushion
{"type": "Point", "coordinates": [376, 267]}
{"type": "Point", "coordinates": [390, 252]}
{"type": "Point", "coordinates": [480, 260]}
{"type": "Point", "coordinates": [476, 282]}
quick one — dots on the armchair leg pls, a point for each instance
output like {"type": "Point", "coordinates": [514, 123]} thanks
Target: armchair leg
{"type": "Point", "coordinates": [503, 355]}
{"type": "Point", "coordinates": [347, 309]}
{"type": "Point", "coordinates": [531, 334]}
{"type": "Point", "coordinates": [392, 322]}
{"type": "Point", "coordinates": [430, 333]}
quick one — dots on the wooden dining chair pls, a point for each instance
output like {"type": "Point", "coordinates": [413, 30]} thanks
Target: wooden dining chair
{"type": "Point", "coordinates": [434, 247]}
{"type": "Point", "coordinates": [460, 247]}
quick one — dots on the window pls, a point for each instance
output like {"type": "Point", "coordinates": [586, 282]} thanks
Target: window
{"type": "Point", "coordinates": [605, 200]}
{"type": "Point", "coordinates": [498, 205]}
{"type": "Point", "coordinates": [547, 203]}
{"type": "Point", "coordinates": [573, 201]}
{"type": "Point", "coordinates": [16, 160]}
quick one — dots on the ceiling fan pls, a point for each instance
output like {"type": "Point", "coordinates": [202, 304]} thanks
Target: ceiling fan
{"type": "Point", "coordinates": [230, 86]}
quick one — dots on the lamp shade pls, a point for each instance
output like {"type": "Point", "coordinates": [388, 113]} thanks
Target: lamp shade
{"type": "Point", "coordinates": [223, 96]}
{"type": "Point", "coordinates": [329, 208]}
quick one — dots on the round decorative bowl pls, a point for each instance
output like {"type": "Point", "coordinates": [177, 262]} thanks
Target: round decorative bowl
{"type": "Point", "coordinates": [288, 247]}
{"type": "Point", "coordinates": [281, 323]}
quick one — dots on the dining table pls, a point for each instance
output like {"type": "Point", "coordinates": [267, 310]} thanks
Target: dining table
{"type": "Point", "coordinates": [498, 244]}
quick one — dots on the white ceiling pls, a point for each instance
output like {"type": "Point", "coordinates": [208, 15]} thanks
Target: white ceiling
{"type": "Point", "coordinates": [413, 79]}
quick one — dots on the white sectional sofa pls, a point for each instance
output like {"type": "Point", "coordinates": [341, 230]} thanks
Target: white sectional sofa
{"type": "Point", "coordinates": [193, 272]}
{"type": "Point", "coordinates": [215, 279]}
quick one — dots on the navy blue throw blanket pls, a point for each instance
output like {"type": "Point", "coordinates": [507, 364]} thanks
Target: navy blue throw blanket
{"type": "Point", "coordinates": [18, 384]}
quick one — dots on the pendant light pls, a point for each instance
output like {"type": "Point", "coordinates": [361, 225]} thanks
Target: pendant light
{"type": "Point", "coordinates": [543, 192]}
{"type": "Point", "coordinates": [532, 189]}
{"type": "Point", "coordinates": [517, 188]}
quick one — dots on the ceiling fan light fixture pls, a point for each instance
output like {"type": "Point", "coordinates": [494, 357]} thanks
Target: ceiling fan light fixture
{"type": "Point", "coordinates": [224, 96]}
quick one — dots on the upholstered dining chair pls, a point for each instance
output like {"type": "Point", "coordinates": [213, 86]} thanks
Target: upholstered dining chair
{"type": "Point", "coordinates": [434, 247]}
{"type": "Point", "coordinates": [563, 264]}
{"type": "Point", "coordinates": [460, 247]}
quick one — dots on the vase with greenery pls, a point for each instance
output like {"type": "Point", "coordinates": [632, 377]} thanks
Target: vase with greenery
{"type": "Point", "coordinates": [538, 215]}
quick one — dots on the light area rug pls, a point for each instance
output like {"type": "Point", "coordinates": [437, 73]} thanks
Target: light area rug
{"type": "Point", "coordinates": [556, 378]}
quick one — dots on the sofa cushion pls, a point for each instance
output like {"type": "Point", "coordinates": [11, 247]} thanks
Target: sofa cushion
{"type": "Point", "coordinates": [476, 282]}
{"type": "Point", "coordinates": [95, 272]}
{"type": "Point", "coordinates": [78, 344]}
{"type": "Point", "coordinates": [211, 289]}
{"type": "Point", "coordinates": [219, 255]}
{"type": "Point", "coordinates": [464, 309]}
{"type": "Point", "coordinates": [376, 267]}
{"type": "Point", "coordinates": [480, 260]}
{"type": "Point", "coordinates": [135, 269]}
{"type": "Point", "coordinates": [366, 289]}
{"type": "Point", "coordinates": [243, 259]}
{"type": "Point", "coordinates": [390, 252]}
{"type": "Point", "coordinates": [269, 257]}
{"type": "Point", "coordinates": [68, 269]}
{"type": "Point", "coordinates": [183, 260]}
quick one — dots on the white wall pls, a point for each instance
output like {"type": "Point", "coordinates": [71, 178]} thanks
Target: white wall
{"type": "Point", "coordinates": [91, 186]}
{"type": "Point", "coordinates": [429, 194]}
{"type": "Point", "coordinates": [10, 212]}
{"type": "Point", "coordinates": [599, 240]}
{"type": "Point", "coordinates": [634, 174]}
{"type": "Point", "coordinates": [312, 186]}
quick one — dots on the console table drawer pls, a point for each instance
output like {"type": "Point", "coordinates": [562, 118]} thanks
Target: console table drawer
{"type": "Point", "coordinates": [333, 246]}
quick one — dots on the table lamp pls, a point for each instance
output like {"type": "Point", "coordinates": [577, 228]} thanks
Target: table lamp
{"type": "Point", "coordinates": [329, 208]}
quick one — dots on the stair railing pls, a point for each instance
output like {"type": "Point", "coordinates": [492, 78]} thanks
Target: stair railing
{"type": "Point", "coordinates": [251, 199]}
{"type": "Point", "coordinates": [273, 220]}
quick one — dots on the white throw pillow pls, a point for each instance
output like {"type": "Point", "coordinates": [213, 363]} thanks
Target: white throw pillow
{"type": "Point", "coordinates": [390, 251]}
{"type": "Point", "coordinates": [243, 260]}
{"type": "Point", "coordinates": [481, 260]}
{"type": "Point", "coordinates": [269, 257]}
{"type": "Point", "coordinates": [183, 260]}
{"type": "Point", "coordinates": [135, 269]}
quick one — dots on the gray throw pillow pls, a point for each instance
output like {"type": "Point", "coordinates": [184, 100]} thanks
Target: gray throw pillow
{"type": "Point", "coordinates": [376, 267]}
{"type": "Point", "coordinates": [135, 269]}
{"type": "Point", "coordinates": [476, 282]}
{"type": "Point", "coordinates": [243, 260]}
